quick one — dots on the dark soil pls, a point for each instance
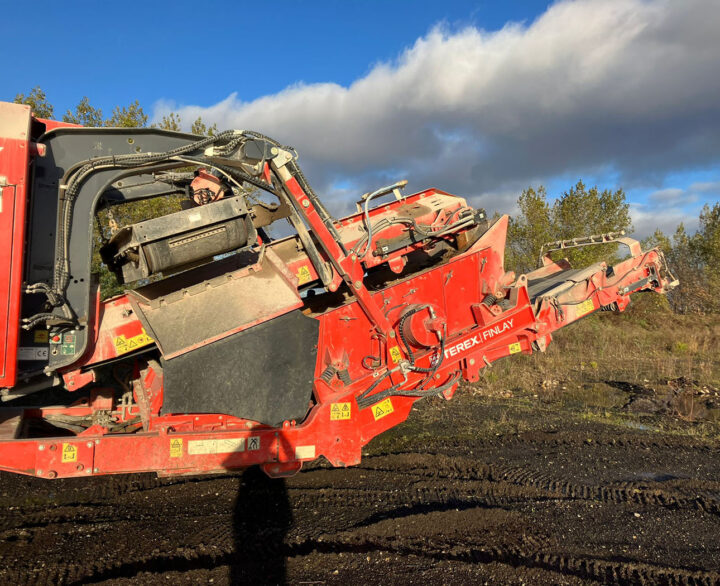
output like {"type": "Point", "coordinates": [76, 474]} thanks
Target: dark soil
{"type": "Point", "coordinates": [550, 499]}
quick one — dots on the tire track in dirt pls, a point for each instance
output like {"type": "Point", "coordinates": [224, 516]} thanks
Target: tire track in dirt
{"type": "Point", "coordinates": [99, 488]}
{"type": "Point", "coordinates": [476, 493]}
{"type": "Point", "coordinates": [519, 550]}
{"type": "Point", "coordinates": [486, 484]}
{"type": "Point", "coordinates": [443, 508]}
{"type": "Point", "coordinates": [643, 493]}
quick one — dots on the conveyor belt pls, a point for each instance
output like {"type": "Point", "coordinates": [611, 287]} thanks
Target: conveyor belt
{"type": "Point", "coordinates": [559, 282]}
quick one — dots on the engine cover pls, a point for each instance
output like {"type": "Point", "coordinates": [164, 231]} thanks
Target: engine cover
{"type": "Point", "coordinates": [180, 239]}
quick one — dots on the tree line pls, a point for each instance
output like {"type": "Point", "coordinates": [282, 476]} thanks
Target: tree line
{"type": "Point", "coordinates": [579, 211]}
{"type": "Point", "coordinates": [130, 116]}
{"type": "Point", "coordinates": [694, 259]}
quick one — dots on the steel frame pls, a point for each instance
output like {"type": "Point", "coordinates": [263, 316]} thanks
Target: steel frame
{"type": "Point", "coordinates": [475, 333]}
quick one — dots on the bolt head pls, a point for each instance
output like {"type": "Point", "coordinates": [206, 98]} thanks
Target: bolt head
{"type": "Point", "coordinates": [41, 447]}
{"type": "Point", "coordinates": [472, 361]}
{"type": "Point", "coordinates": [89, 444]}
{"type": "Point", "coordinates": [306, 203]}
{"type": "Point", "coordinates": [357, 284]}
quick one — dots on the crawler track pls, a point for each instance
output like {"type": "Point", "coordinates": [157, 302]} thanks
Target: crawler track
{"type": "Point", "coordinates": [570, 507]}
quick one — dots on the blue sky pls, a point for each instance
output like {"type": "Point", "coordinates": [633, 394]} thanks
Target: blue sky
{"type": "Point", "coordinates": [164, 50]}
{"type": "Point", "coordinates": [478, 98]}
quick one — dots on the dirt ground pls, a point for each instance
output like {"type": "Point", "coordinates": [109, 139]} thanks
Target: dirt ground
{"type": "Point", "coordinates": [479, 490]}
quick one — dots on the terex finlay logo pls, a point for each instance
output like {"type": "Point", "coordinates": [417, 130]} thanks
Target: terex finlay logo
{"type": "Point", "coordinates": [479, 338]}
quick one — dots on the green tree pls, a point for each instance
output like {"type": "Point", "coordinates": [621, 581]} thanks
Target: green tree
{"type": "Point", "coordinates": [692, 295]}
{"type": "Point", "coordinates": [707, 241]}
{"type": "Point", "coordinates": [170, 122]}
{"type": "Point", "coordinates": [37, 100]}
{"type": "Point", "coordinates": [578, 212]}
{"type": "Point", "coordinates": [657, 239]}
{"type": "Point", "coordinates": [199, 127]}
{"type": "Point", "coordinates": [528, 230]}
{"type": "Point", "coordinates": [582, 212]}
{"type": "Point", "coordinates": [84, 114]}
{"type": "Point", "coordinates": [706, 246]}
{"type": "Point", "coordinates": [131, 116]}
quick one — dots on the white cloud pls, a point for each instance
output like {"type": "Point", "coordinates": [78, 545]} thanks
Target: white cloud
{"type": "Point", "coordinates": [712, 187]}
{"type": "Point", "coordinates": [646, 219]}
{"type": "Point", "coordinates": [672, 196]}
{"type": "Point", "coordinates": [629, 85]}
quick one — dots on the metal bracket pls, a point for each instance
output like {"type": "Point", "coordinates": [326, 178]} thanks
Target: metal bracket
{"type": "Point", "coordinates": [607, 238]}
{"type": "Point", "coordinates": [282, 157]}
{"type": "Point", "coordinates": [394, 189]}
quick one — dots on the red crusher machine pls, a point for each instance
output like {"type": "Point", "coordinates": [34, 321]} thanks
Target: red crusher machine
{"type": "Point", "coordinates": [230, 348]}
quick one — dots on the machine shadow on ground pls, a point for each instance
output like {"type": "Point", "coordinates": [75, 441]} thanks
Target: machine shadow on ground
{"type": "Point", "coordinates": [261, 519]}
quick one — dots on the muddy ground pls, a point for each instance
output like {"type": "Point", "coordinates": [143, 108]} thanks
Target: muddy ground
{"type": "Point", "coordinates": [514, 489]}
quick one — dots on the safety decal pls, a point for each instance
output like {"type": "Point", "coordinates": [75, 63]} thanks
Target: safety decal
{"type": "Point", "coordinates": [176, 448]}
{"type": "Point", "coordinates": [395, 354]}
{"type": "Point", "coordinates": [253, 443]}
{"type": "Point", "coordinates": [304, 452]}
{"type": "Point", "coordinates": [124, 345]}
{"type": "Point", "coordinates": [216, 446]}
{"type": "Point", "coordinates": [67, 348]}
{"type": "Point", "coordinates": [382, 409]}
{"type": "Point", "coordinates": [584, 308]}
{"type": "Point", "coordinates": [41, 337]}
{"type": "Point", "coordinates": [340, 411]}
{"type": "Point", "coordinates": [69, 453]}
{"type": "Point", "coordinates": [303, 275]}
{"type": "Point", "coordinates": [515, 348]}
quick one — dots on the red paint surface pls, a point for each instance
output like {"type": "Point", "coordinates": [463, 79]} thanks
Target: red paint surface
{"type": "Point", "coordinates": [351, 337]}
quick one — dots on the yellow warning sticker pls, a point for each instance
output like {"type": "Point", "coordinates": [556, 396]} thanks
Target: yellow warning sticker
{"type": "Point", "coordinates": [303, 275]}
{"type": "Point", "coordinates": [340, 411]}
{"type": "Point", "coordinates": [515, 348]}
{"type": "Point", "coordinates": [124, 345]}
{"type": "Point", "coordinates": [382, 409]}
{"type": "Point", "coordinates": [69, 453]}
{"type": "Point", "coordinates": [176, 448]}
{"type": "Point", "coordinates": [41, 337]}
{"type": "Point", "coordinates": [584, 308]}
{"type": "Point", "coordinates": [395, 354]}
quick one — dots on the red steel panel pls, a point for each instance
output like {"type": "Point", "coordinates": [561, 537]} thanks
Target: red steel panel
{"type": "Point", "coordinates": [14, 153]}
{"type": "Point", "coordinates": [366, 327]}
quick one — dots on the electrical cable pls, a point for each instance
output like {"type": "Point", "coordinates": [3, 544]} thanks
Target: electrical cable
{"type": "Point", "coordinates": [387, 222]}
{"type": "Point", "coordinates": [366, 398]}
